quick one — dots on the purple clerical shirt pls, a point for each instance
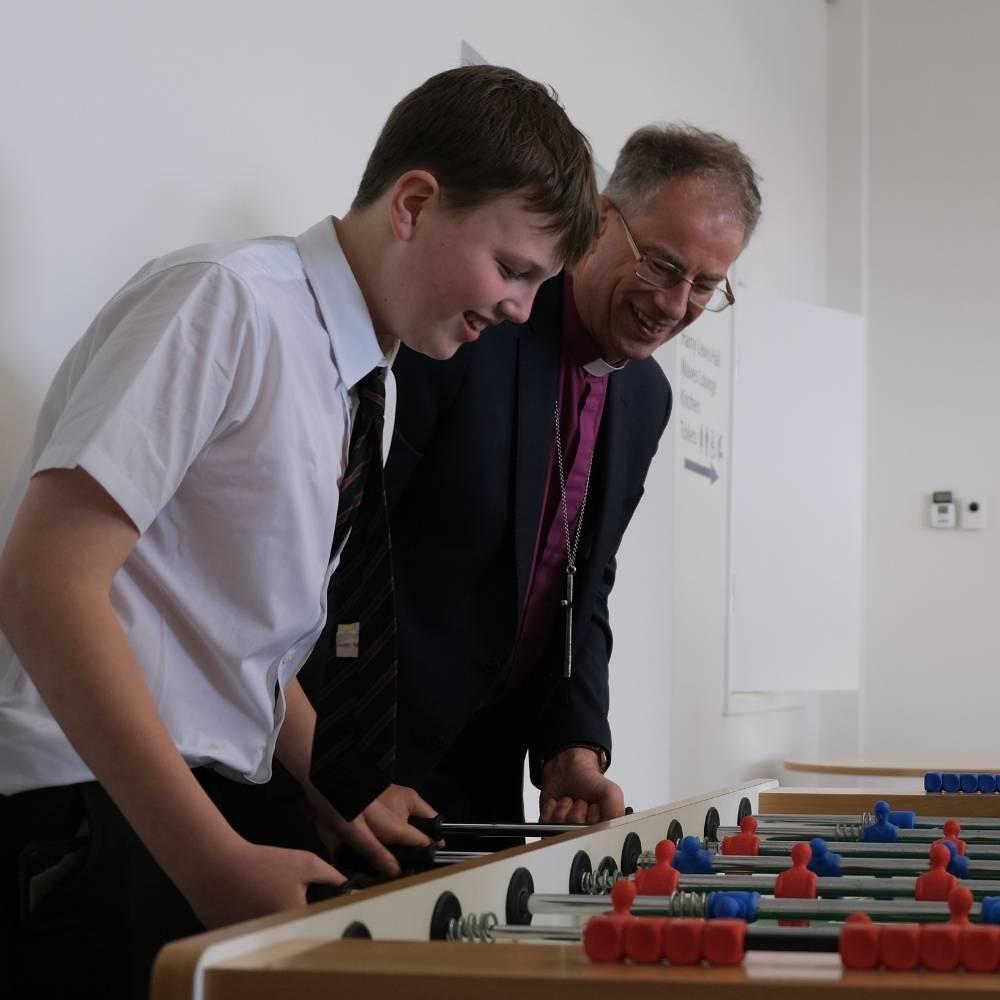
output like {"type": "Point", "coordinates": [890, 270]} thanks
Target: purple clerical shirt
{"type": "Point", "coordinates": [581, 405]}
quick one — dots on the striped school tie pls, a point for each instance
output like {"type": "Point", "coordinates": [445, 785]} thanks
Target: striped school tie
{"type": "Point", "coordinates": [354, 749]}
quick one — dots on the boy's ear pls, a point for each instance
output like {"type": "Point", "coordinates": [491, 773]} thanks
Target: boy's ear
{"type": "Point", "coordinates": [412, 193]}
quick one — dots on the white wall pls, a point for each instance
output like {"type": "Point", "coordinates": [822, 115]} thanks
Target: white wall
{"type": "Point", "coordinates": [781, 96]}
{"type": "Point", "coordinates": [847, 156]}
{"type": "Point", "coordinates": [130, 129]}
{"type": "Point", "coordinates": [933, 646]}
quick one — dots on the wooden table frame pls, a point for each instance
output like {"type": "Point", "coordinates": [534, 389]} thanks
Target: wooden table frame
{"type": "Point", "coordinates": [299, 955]}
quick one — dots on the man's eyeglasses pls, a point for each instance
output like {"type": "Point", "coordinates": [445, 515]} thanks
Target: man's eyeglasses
{"type": "Point", "coordinates": [711, 295]}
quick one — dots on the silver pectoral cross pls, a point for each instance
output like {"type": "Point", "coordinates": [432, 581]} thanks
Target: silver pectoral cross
{"type": "Point", "coordinates": [567, 603]}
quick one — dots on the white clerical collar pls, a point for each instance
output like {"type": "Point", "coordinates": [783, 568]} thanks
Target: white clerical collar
{"type": "Point", "coordinates": [600, 367]}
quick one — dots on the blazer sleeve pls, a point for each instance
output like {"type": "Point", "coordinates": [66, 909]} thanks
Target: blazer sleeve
{"type": "Point", "coordinates": [425, 391]}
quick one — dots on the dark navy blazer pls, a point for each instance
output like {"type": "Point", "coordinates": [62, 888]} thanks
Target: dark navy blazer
{"type": "Point", "coordinates": [465, 482]}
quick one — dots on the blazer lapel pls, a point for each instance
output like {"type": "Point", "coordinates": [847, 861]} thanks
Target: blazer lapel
{"type": "Point", "coordinates": [539, 352]}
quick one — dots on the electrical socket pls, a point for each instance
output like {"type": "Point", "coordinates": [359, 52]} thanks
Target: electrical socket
{"type": "Point", "coordinates": [972, 513]}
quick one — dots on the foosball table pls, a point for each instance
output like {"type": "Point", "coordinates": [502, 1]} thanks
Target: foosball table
{"type": "Point", "coordinates": [719, 915]}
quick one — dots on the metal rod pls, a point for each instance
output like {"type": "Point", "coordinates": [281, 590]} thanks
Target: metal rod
{"type": "Point", "coordinates": [849, 885]}
{"type": "Point", "coordinates": [914, 865]}
{"type": "Point", "coordinates": [839, 909]}
{"type": "Point", "coordinates": [693, 904]}
{"type": "Point", "coordinates": [457, 857]}
{"type": "Point", "coordinates": [509, 829]}
{"type": "Point", "coordinates": [966, 822]}
{"type": "Point", "coordinates": [854, 831]}
{"type": "Point", "coordinates": [757, 938]}
{"type": "Point", "coordinates": [530, 932]}
{"type": "Point", "coordinates": [859, 849]}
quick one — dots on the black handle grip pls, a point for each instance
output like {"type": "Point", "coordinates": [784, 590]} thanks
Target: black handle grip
{"type": "Point", "coordinates": [431, 827]}
{"type": "Point", "coordinates": [347, 860]}
{"type": "Point", "coordinates": [316, 891]}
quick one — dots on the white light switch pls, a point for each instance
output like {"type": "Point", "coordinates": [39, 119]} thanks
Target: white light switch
{"type": "Point", "coordinates": [943, 515]}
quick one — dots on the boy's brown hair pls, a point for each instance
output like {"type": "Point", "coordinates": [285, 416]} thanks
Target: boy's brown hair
{"type": "Point", "coordinates": [488, 131]}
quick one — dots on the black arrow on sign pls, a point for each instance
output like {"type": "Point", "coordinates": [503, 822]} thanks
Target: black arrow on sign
{"type": "Point", "coordinates": [708, 471]}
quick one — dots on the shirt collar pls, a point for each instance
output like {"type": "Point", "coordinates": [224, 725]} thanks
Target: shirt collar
{"type": "Point", "coordinates": [341, 305]}
{"type": "Point", "coordinates": [582, 348]}
{"type": "Point", "coordinates": [600, 367]}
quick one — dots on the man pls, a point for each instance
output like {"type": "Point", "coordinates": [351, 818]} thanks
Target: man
{"type": "Point", "coordinates": [195, 482]}
{"type": "Point", "coordinates": [526, 455]}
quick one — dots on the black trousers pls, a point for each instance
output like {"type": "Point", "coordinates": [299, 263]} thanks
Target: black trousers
{"type": "Point", "coordinates": [83, 905]}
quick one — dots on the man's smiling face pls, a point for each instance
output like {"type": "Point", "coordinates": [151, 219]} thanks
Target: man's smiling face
{"type": "Point", "coordinates": [687, 224]}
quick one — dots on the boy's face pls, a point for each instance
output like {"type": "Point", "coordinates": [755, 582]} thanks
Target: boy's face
{"type": "Point", "coordinates": [468, 270]}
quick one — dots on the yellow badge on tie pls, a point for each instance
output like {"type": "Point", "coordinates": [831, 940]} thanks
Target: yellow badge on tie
{"type": "Point", "coordinates": [348, 636]}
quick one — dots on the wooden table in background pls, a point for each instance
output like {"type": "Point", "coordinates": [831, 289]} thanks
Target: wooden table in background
{"type": "Point", "coordinates": [899, 765]}
{"type": "Point", "coordinates": [839, 801]}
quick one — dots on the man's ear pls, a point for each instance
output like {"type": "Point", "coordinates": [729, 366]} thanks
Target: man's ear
{"type": "Point", "coordinates": [607, 211]}
{"type": "Point", "coordinates": [412, 193]}
{"type": "Point", "coordinates": [605, 215]}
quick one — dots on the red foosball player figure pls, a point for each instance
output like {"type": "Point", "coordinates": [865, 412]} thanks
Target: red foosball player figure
{"type": "Point", "coordinates": [981, 941]}
{"type": "Point", "coordinates": [797, 882]}
{"type": "Point", "coordinates": [860, 942]}
{"type": "Point", "coordinates": [604, 935]}
{"type": "Point", "coordinates": [746, 842]}
{"type": "Point", "coordinates": [960, 905]}
{"type": "Point", "coordinates": [941, 944]}
{"type": "Point", "coordinates": [951, 829]}
{"type": "Point", "coordinates": [936, 884]}
{"type": "Point", "coordinates": [661, 879]}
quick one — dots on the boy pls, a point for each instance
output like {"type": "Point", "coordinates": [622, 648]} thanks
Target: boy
{"type": "Point", "coordinates": [167, 549]}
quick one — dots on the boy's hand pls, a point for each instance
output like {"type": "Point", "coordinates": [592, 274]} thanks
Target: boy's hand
{"type": "Point", "coordinates": [252, 880]}
{"type": "Point", "coordinates": [385, 821]}
{"type": "Point", "coordinates": [69, 539]}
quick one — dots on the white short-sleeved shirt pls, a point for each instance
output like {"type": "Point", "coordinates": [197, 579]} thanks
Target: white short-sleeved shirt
{"type": "Point", "coordinates": [212, 398]}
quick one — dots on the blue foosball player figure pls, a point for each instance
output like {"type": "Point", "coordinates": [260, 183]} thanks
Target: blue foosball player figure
{"type": "Point", "coordinates": [881, 831]}
{"type": "Point", "coordinates": [823, 862]}
{"type": "Point", "coordinates": [692, 859]}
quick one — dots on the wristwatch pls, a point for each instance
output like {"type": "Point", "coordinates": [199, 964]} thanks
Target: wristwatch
{"type": "Point", "coordinates": [602, 755]}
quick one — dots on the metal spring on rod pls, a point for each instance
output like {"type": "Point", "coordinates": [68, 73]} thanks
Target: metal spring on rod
{"type": "Point", "coordinates": [472, 927]}
{"type": "Point", "coordinates": [598, 883]}
{"type": "Point", "coordinates": [686, 904]}
{"type": "Point", "coordinates": [847, 831]}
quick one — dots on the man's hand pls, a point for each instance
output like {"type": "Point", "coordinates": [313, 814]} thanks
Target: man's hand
{"type": "Point", "coordinates": [385, 821]}
{"type": "Point", "coordinates": [575, 791]}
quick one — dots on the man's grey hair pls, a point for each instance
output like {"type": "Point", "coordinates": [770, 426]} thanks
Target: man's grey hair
{"type": "Point", "coordinates": [656, 153]}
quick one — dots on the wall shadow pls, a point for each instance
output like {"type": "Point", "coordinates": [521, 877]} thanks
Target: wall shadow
{"type": "Point", "coordinates": [17, 425]}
